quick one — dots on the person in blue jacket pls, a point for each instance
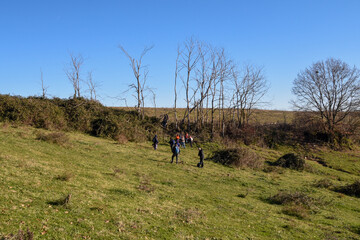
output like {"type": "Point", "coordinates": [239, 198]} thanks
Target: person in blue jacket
{"type": "Point", "coordinates": [176, 151]}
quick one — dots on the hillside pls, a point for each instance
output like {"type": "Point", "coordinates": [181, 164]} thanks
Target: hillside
{"type": "Point", "coordinates": [133, 192]}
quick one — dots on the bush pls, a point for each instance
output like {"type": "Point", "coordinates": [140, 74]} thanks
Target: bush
{"type": "Point", "coordinates": [350, 189]}
{"type": "Point", "coordinates": [104, 126]}
{"type": "Point", "coordinates": [296, 204]}
{"type": "Point", "coordinates": [61, 202]}
{"type": "Point", "coordinates": [121, 139]}
{"type": "Point", "coordinates": [296, 210]}
{"type": "Point", "coordinates": [189, 215]}
{"type": "Point", "coordinates": [56, 137]}
{"type": "Point", "coordinates": [291, 161]}
{"type": "Point", "coordinates": [296, 198]}
{"type": "Point", "coordinates": [21, 235]}
{"type": "Point", "coordinates": [145, 185]}
{"type": "Point", "coordinates": [323, 183]}
{"type": "Point", "coordinates": [78, 114]}
{"type": "Point", "coordinates": [64, 177]}
{"type": "Point", "coordinates": [237, 157]}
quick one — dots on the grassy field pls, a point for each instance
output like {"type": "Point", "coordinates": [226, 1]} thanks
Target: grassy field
{"type": "Point", "coordinates": [133, 192]}
{"type": "Point", "coordinates": [258, 116]}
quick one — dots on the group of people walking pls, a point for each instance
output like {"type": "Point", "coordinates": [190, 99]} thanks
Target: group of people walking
{"type": "Point", "coordinates": [175, 144]}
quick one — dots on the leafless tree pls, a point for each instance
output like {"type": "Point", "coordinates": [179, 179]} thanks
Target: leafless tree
{"type": "Point", "coordinates": [329, 88]}
{"type": "Point", "coordinates": [206, 72]}
{"type": "Point", "coordinates": [189, 59]}
{"type": "Point", "coordinates": [92, 86]}
{"type": "Point", "coordinates": [73, 73]}
{"type": "Point", "coordinates": [177, 70]}
{"type": "Point", "coordinates": [250, 87]}
{"type": "Point", "coordinates": [207, 77]}
{"type": "Point", "coordinates": [153, 99]}
{"type": "Point", "coordinates": [43, 87]}
{"type": "Point", "coordinates": [226, 66]}
{"type": "Point", "coordinates": [140, 72]}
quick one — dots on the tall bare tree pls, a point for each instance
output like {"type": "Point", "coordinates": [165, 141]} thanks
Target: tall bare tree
{"type": "Point", "coordinates": [189, 59]}
{"type": "Point", "coordinates": [250, 87]}
{"type": "Point", "coordinates": [73, 73]}
{"type": "Point", "coordinates": [140, 72]}
{"type": "Point", "coordinates": [92, 86]}
{"type": "Point", "coordinates": [177, 70]}
{"type": "Point", "coordinates": [207, 73]}
{"type": "Point", "coordinates": [43, 87]}
{"type": "Point", "coordinates": [226, 66]}
{"type": "Point", "coordinates": [330, 88]}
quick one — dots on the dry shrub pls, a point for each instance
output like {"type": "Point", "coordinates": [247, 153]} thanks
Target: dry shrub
{"type": "Point", "coordinates": [61, 202]}
{"type": "Point", "coordinates": [291, 161]}
{"type": "Point", "coordinates": [188, 215]}
{"type": "Point", "coordinates": [59, 138]}
{"type": "Point", "coordinates": [293, 198]}
{"type": "Point", "coordinates": [64, 177]}
{"type": "Point", "coordinates": [145, 185]}
{"type": "Point", "coordinates": [21, 235]}
{"type": "Point", "coordinates": [323, 183]}
{"type": "Point", "coordinates": [237, 157]}
{"type": "Point", "coordinates": [121, 139]}
{"type": "Point", "coordinates": [298, 211]}
{"type": "Point", "coordinates": [117, 171]}
{"type": "Point", "coordinates": [273, 169]}
{"type": "Point", "coordinates": [350, 189]}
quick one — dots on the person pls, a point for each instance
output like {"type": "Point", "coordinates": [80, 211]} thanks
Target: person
{"type": "Point", "coordinates": [201, 155]}
{"type": "Point", "coordinates": [165, 120]}
{"type": "Point", "coordinates": [155, 142]}
{"type": "Point", "coordinates": [187, 138]}
{"type": "Point", "coordinates": [178, 142]}
{"type": "Point", "coordinates": [191, 141]}
{"type": "Point", "coordinates": [182, 141]}
{"type": "Point", "coordinates": [176, 152]}
{"type": "Point", "coordinates": [172, 143]}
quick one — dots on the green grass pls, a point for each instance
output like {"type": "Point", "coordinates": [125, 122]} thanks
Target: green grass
{"type": "Point", "coordinates": [133, 192]}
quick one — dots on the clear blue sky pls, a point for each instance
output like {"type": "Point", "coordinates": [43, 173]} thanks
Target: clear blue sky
{"type": "Point", "coordinates": [284, 36]}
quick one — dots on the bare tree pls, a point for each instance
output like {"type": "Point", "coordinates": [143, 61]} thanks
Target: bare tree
{"type": "Point", "coordinates": [189, 59]}
{"type": "Point", "coordinates": [140, 85]}
{"type": "Point", "coordinates": [73, 73]}
{"type": "Point", "coordinates": [153, 99]}
{"type": "Point", "coordinates": [43, 87]}
{"type": "Point", "coordinates": [207, 76]}
{"type": "Point", "coordinates": [250, 88]}
{"type": "Point", "coordinates": [329, 88]}
{"type": "Point", "coordinates": [226, 66]}
{"type": "Point", "coordinates": [92, 86]}
{"type": "Point", "coordinates": [177, 70]}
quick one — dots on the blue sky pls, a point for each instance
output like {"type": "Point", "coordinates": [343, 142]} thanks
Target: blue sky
{"type": "Point", "coordinates": [282, 36]}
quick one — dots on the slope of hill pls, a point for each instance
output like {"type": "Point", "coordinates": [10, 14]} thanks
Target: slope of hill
{"type": "Point", "coordinates": [74, 186]}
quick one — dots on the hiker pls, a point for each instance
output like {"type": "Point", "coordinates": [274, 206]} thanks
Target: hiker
{"type": "Point", "coordinates": [178, 142]}
{"type": "Point", "coordinates": [182, 141]}
{"type": "Point", "coordinates": [201, 155]}
{"type": "Point", "coordinates": [164, 121]}
{"type": "Point", "coordinates": [186, 137]}
{"type": "Point", "coordinates": [191, 141]}
{"type": "Point", "coordinates": [172, 143]}
{"type": "Point", "coordinates": [176, 152]}
{"type": "Point", "coordinates": [155, 142]}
